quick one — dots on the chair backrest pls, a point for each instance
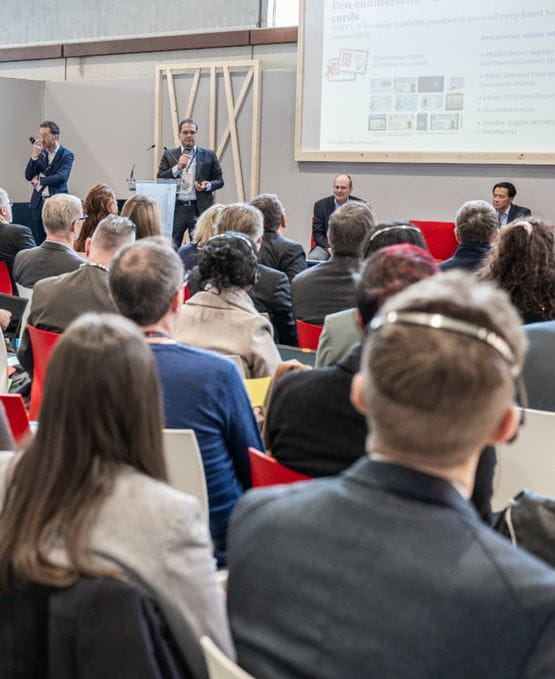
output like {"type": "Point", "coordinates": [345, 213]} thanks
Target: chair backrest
{"type": "Point", "coordinates": [186, 293]}
{"type": "Point", "coordinates": [267, 471]}
{"type": "Point", "coordinates": [308, 334]}
{"type": "Point", "coordinates": [16, 414]}
{"type": "Point", "coordinates": [42, 344]}
{"type": "Point", "coordinates": [5, 280]}
{"type": "Point", "coordinates": [219, 665]}
{"type": "Point", "coordinates": [528, 462]}
{"type": "Point", "coordinates": [26, 293]}
{"type": "Point", "coordinates": [257, 389]}
{"type": "Point", "coordinates": [439, 236]}
{"type": "Point", "coordinates": [184, 464]}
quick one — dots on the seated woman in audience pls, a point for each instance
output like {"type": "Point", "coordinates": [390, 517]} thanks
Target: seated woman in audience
{"type": "Point", "coordinates": [222, 317]}
{"type": "Point", "coordinates": [341, 330]}
{"type": "Point", "coordinates": [205, 228]}
{"type": "Point", "coordinates": [144, 213]}
{"type": "Point", "coordinates": [89, 496]}
{"type": "Point", "coordinates": [522, 262]}
{"type": "Point", "coordinates": [99, 203]}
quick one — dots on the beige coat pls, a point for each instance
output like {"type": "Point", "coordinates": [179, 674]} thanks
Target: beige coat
{"type": "Point", "coordinates": [229, 324]}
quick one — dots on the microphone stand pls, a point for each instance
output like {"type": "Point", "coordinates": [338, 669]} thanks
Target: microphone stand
{"type": "Point", "coordinates": [131, 180]}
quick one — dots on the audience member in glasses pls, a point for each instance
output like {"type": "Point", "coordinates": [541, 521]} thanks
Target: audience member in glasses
{"type": "Point", "coordinates": [311, 425]}
{"type": "Point", "coordinates": [205, 228]}
{"type": "Point", "coordinates": [475, 228]}
{"type": "Point", "coordinates": [390, 559]}
{"type": "Point", "coordinates": [522, 262]}
{"type": "Point", "coordinates": [145, 214]}
{"type": "Point", "coordinates": [275, 250]}
{"type": "Point", "coordinates": [329, 286]}
{"type": "Point", "coordinates": [99, 203]}
{"type": "Point", "coordinates": [202, 390]}
{"type": "Point", "coordinates": [341, 329]}
{"type": "Point", "coordinates": [222, 317]}
{"type": "Point", "coordinates": [89, 497]}
{"type": "Point", "coordinates": [59, 300]}
{"type": "Point", "coordinates": [61, 217]}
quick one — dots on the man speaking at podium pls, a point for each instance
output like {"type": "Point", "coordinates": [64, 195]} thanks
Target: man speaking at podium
{"type": "Point", "coordinates": [198, 172]}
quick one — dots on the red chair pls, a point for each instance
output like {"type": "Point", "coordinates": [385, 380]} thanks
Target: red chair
{"type": "Point", "coordinates": [186, 293]}
{"type": "Point", "coordinates": [440, 238]}
{"type": "Point", "coordinates": [42, 343]}
{"type": "Point", "coordinates": [16, 414]}
{"type": "Point", "coordinates": [267, 471]}
{"type": "Point", "coordinates": [5, 280]}
{"type": "Point", "coordinates": [308, 334]}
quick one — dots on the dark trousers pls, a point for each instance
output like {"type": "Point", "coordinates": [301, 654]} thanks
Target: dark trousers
{"type": "Point", "coordinates": [184, 218]}
{"type": "Point", "coordinates": [37, 227]}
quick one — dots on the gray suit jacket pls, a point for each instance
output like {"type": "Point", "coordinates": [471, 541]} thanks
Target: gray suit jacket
{"type": "Point", "coordinates": [539, 365]}
{"type": "Point", "coordinates": [57, 301]}
{"type": "Point", "coordinates": [324, 289]}
{"type": "Point", "coordinates": [47, 259]}
{"type": "Point", "coordinates": [338, 336]}
{"type": "Point", "coordinates": [383, 572]}
{"type": "Point", "coordinates": [156, 536]}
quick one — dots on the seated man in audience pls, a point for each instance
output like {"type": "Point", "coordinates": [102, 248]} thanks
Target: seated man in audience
{"type": "Point", "coordinates": [202, 390]}
{"type": "Point", "coordinates": [329, 286]}
{"type": "Point", "coordinates": [276, 251]}
{"type": "Point", "coordinates": [475, 228]}
{"type": "Point", "coordinates": [311, 425]}
{"type": "Point", "coordinates": [387, 571]}
{"type": "Point", "coordinates": [61, 216]}
{"type": "Point", "coordinates": [271, 292]}
{"type": "Point", "coordinates": [13, 237]}
{"type": "Point", "coordinates": [502, 200]}
{"type": "Point", "coordinates": [323, 209]}
{"type": "Point", "coordinates": [539, 366]}
{"type": "Point", "coordinates": [58, 300]}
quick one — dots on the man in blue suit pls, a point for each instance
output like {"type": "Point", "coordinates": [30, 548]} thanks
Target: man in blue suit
{"type": "Point", "coordinates": [387, 571]}
{"type": "Point", "coordinates": [48, 170]}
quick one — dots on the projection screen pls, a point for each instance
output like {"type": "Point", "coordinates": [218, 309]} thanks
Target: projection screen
{"type": "Point", "coordinates": [426, 81]}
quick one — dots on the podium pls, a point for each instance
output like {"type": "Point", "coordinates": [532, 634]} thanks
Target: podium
{"type": "Point", "coordinates": [163, 192]}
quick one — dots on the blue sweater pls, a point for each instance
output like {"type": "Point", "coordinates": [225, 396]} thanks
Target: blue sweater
{"type": "Point", "coordinates": [204, 391]}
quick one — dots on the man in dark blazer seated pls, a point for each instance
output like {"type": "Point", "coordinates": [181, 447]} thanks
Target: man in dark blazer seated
{"type": "Point", "coordinates": [387, 571]}
{"type": "Point", "coordinates": [275, 250]}
{"type": "Point", "coordinates": [61, 215]}
{"type": "Point", "coordinates": [13, 237]}
{"type": "Point", "coordinates": [48, 170]}
{"type": "Point", "coordinates": [199, 174]}
{"type": "Point", "coordinates": [323, 209]}
{"type": "Point", "coordinates": [476, 225]}
{"type": "Point", "coordinates": [329, 286]}
{"type": "Point", "coordinates": [502, 200]}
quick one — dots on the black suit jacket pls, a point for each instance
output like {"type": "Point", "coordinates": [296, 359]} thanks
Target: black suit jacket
{"type": "Point", "coordinates": [13, 238]}
{"type": "Point", "coordinates": [323, 209]}
{"type": "Point", "coordinates": [324, 289]}
{"type": "Point", "coordinates": [208, 168]}
{"type": "Point", "coordinates": [516, 211]}
{"type": "Point", "coordinates": [271, 295]}
{"type": "Point", "coordinates": [282, 254]}
{"type": "Point", "coordinates": [47, 259]}
{"type": "Point", "coordinates": [468, 256]}
{"type": "Point", "coordinates": [383, 572]}
{"type": "Point", "coordinates": [56, 174]}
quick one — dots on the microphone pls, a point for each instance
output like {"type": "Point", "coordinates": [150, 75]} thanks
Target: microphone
{"type": "Point", "coordinates": [172, 154]}
{"type": "Point", "coordinates": [32, 140]}
{"type": "Point", "coordinates": [131, 181]}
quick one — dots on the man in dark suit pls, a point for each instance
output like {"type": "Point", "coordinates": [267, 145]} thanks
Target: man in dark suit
{"type": "Point", "coordinates": [48, 170]}
{"type": "Point", "coordinates": [323, 209]}
{"type": "Point", "coordinates": [276, 251]}
{"type": "Point", "coordinates": [329, 286]}
{"type": "Point", "coordinates": [58, 300]}
{"type": "Point", "coordinates": [387, 571]}
{"type": "Point", "coordinates": [199, 174]}
{"type": "Point", "coordinates": [502, 200]}
{"type": "Point", "coordinates": [476, 224]}
{"type": "Point", "coordinates": [13, 237]}
{"type": "Point", "coordinates": [62, 215]}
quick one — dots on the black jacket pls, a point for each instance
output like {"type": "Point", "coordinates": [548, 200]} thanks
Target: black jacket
{"type": "Point", "coordinates": [282, 254]}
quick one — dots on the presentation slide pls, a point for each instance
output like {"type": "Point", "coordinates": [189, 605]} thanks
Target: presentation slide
{"type": "Point", "coordinates": [429, 77]}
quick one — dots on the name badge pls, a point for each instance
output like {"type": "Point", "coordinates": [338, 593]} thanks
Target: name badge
{"type": "Point", "coordinates": [186, 182]}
